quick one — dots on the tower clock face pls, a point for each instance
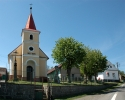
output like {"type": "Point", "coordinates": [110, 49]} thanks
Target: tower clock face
{"type": "Point", "coordinates": [31, 48]}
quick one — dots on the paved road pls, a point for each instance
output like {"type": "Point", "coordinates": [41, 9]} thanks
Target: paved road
{"type": "Point", "coordinates": [116, 94]}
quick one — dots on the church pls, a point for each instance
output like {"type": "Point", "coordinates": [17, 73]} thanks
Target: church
{"type": "Point", "coordinates": [31, 61]}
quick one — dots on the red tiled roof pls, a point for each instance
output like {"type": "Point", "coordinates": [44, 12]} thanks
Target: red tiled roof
{"type": "Point", "coordinates": [51, 70]}
{"type": "Point", "coordinates": [30, 23]}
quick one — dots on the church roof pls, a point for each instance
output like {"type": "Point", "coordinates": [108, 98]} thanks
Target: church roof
{"type": "Point", "coordinates": [30, 23]}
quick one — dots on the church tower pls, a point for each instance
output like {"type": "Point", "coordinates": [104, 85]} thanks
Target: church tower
{"type": "Point", "coordinates": [31, 60]}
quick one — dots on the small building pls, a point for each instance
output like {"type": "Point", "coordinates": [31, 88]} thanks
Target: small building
{"type": "Point", "coordinates": [111, 74]}
{"type": "Point", "coordinates": [62, 73]}
{"type": "Point", "coordinates": [3, 74]}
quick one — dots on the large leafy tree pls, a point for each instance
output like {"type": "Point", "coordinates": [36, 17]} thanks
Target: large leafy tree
{"type": "Point", "coordinates": [94, 62]}
{"type": "Point", "coordinates": [69, 53]}
{"type": "Point", "coordinates": [99, 63]}
{"type": "Point", "coordinates": [84, 65]}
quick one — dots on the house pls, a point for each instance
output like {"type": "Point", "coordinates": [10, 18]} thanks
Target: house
{"type": "Point", "coordinates": [3, 74]}
{"type": "Point", "coordinates": [111, 74]}
{"type": "Point", "coordinates": [31, 61]}
{"type": "Point", "coordinates": [62, 73]}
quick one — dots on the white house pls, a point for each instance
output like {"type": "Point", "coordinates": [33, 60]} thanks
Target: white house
{"type": "Point", "coordinates": [111, 74]}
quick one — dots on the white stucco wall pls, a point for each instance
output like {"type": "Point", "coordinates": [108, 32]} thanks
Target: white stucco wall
{"type": "Point", "coordinates": [113, 73]}
{"type": "Point", "coordinates": [103, 75]}
{"type": "Point", "coordinates": [11, 66]}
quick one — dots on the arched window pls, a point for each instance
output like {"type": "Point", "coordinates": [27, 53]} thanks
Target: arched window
{"type": "Point", "coordinates": [31, 37]}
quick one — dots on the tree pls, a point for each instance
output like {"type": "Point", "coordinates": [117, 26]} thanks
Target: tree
{"type": "Point", "coordinates": [121, 73]}
{"type": "Point", "coordinates": [69, 53]}
{"type": "Point", "coordinates": [93, 63]}
{"type": "Point", "coordinates": [84, 65]}
{"type": "Point", "coordinates": [100, 63]}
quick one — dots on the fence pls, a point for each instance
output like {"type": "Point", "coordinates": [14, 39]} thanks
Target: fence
{"type": "Point", "coordinates": [31, 76]}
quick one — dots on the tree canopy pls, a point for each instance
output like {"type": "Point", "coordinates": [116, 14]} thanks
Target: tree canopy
{"type": "Point", "coordinates": [69, 53]}
{"type": "Point", "coordinates": [93, 63]}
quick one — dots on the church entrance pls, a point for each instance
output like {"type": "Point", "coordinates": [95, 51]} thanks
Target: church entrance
{"type": "Point", "coordinates": [29, 73]}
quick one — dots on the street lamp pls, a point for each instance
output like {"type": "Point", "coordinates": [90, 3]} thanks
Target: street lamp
{"type": "Point", "coordinates": [15, 67]}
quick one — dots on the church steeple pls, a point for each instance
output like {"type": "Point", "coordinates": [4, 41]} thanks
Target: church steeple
{"type": "Point", "coordinates": [30, 22]}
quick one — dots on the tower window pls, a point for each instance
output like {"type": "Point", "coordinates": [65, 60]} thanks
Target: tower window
{"type": "Point", "coordinates": [31, 48]}
{"type": "Point", "coordinates": [31, 37]}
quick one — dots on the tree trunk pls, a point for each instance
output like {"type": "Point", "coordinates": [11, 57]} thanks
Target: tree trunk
{"type": "Point", "coordinates": [89, 77]}
{"type": "Point", "coordinates": [68, 75]}
{"type": "Point", "coordinates": [85, 78]}
{"type": "Point", "coordinates": [96, 79]}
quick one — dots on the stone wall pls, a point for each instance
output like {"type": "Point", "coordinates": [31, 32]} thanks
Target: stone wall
{"type": "Point", "coordinates": [61, 91]}
{"type": "Point", "coordinates": [27, 92]}
{"type": "Point", "coordinates": [16, 91]}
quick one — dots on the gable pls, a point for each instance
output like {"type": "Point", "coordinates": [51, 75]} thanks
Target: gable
{"type": "Point", "coordinates": [42, 54]}
{"type": "Point", "coordinates": [111, 66]}
{"type": "Point", "coordinates": [18, 50]}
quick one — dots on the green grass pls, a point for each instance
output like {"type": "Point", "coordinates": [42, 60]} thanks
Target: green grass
{"type": "Point", "coordinates": [26, 82]}
{"type": "Point", "coordinates": [54, 84]}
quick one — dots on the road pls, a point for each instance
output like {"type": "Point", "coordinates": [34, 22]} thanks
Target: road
{"type": "Point", "coordinates": [115, 94]}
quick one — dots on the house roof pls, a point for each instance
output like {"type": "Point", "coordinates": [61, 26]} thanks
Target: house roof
{"type": "Point", "coordinates": [53, 69]}
{"type": "Point", "coordinates": [2, 69]}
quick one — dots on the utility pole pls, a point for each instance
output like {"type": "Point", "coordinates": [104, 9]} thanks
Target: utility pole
{"type": "Point", "coordinates": [117, 64]}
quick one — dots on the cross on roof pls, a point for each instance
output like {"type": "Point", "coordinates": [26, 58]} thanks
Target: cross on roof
{"type": "Point", "coordinates": [30, 8]}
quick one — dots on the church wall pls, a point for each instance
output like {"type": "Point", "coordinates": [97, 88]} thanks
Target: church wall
{"type": "Point", "coordinates": [19, 50]}
{"type": "Point", "coordinates": [27, 51]}
{"type": "Point", "coordinates": [24, 72]}
{"type": "Point", "coordinates": [43, 67]}
{"type": "Point", "coordinates": [11, 66]}
{"type": "Point", "coordinates": [36, 67]}
{"type": "Point", "coordinates": [41, 53]}
{"type": "Point", "coordinates": [33, 58]}
{"type": "Point", "coordinates": [19, 66]}
{"type": "Point", "coordinates": [27, 36]}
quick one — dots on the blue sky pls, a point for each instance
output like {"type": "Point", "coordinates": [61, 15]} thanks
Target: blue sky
{"type": "Point", "coordinates": [99, 24]}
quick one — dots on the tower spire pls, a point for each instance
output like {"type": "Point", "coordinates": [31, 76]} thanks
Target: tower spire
{"type": "Point", "coordinates": [30, 8]}
{"type": "Point", "coordinates": [30, 22]}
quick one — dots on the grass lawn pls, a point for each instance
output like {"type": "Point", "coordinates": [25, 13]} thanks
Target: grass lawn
{"type": "Point", "coordinates": [53, 84]}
